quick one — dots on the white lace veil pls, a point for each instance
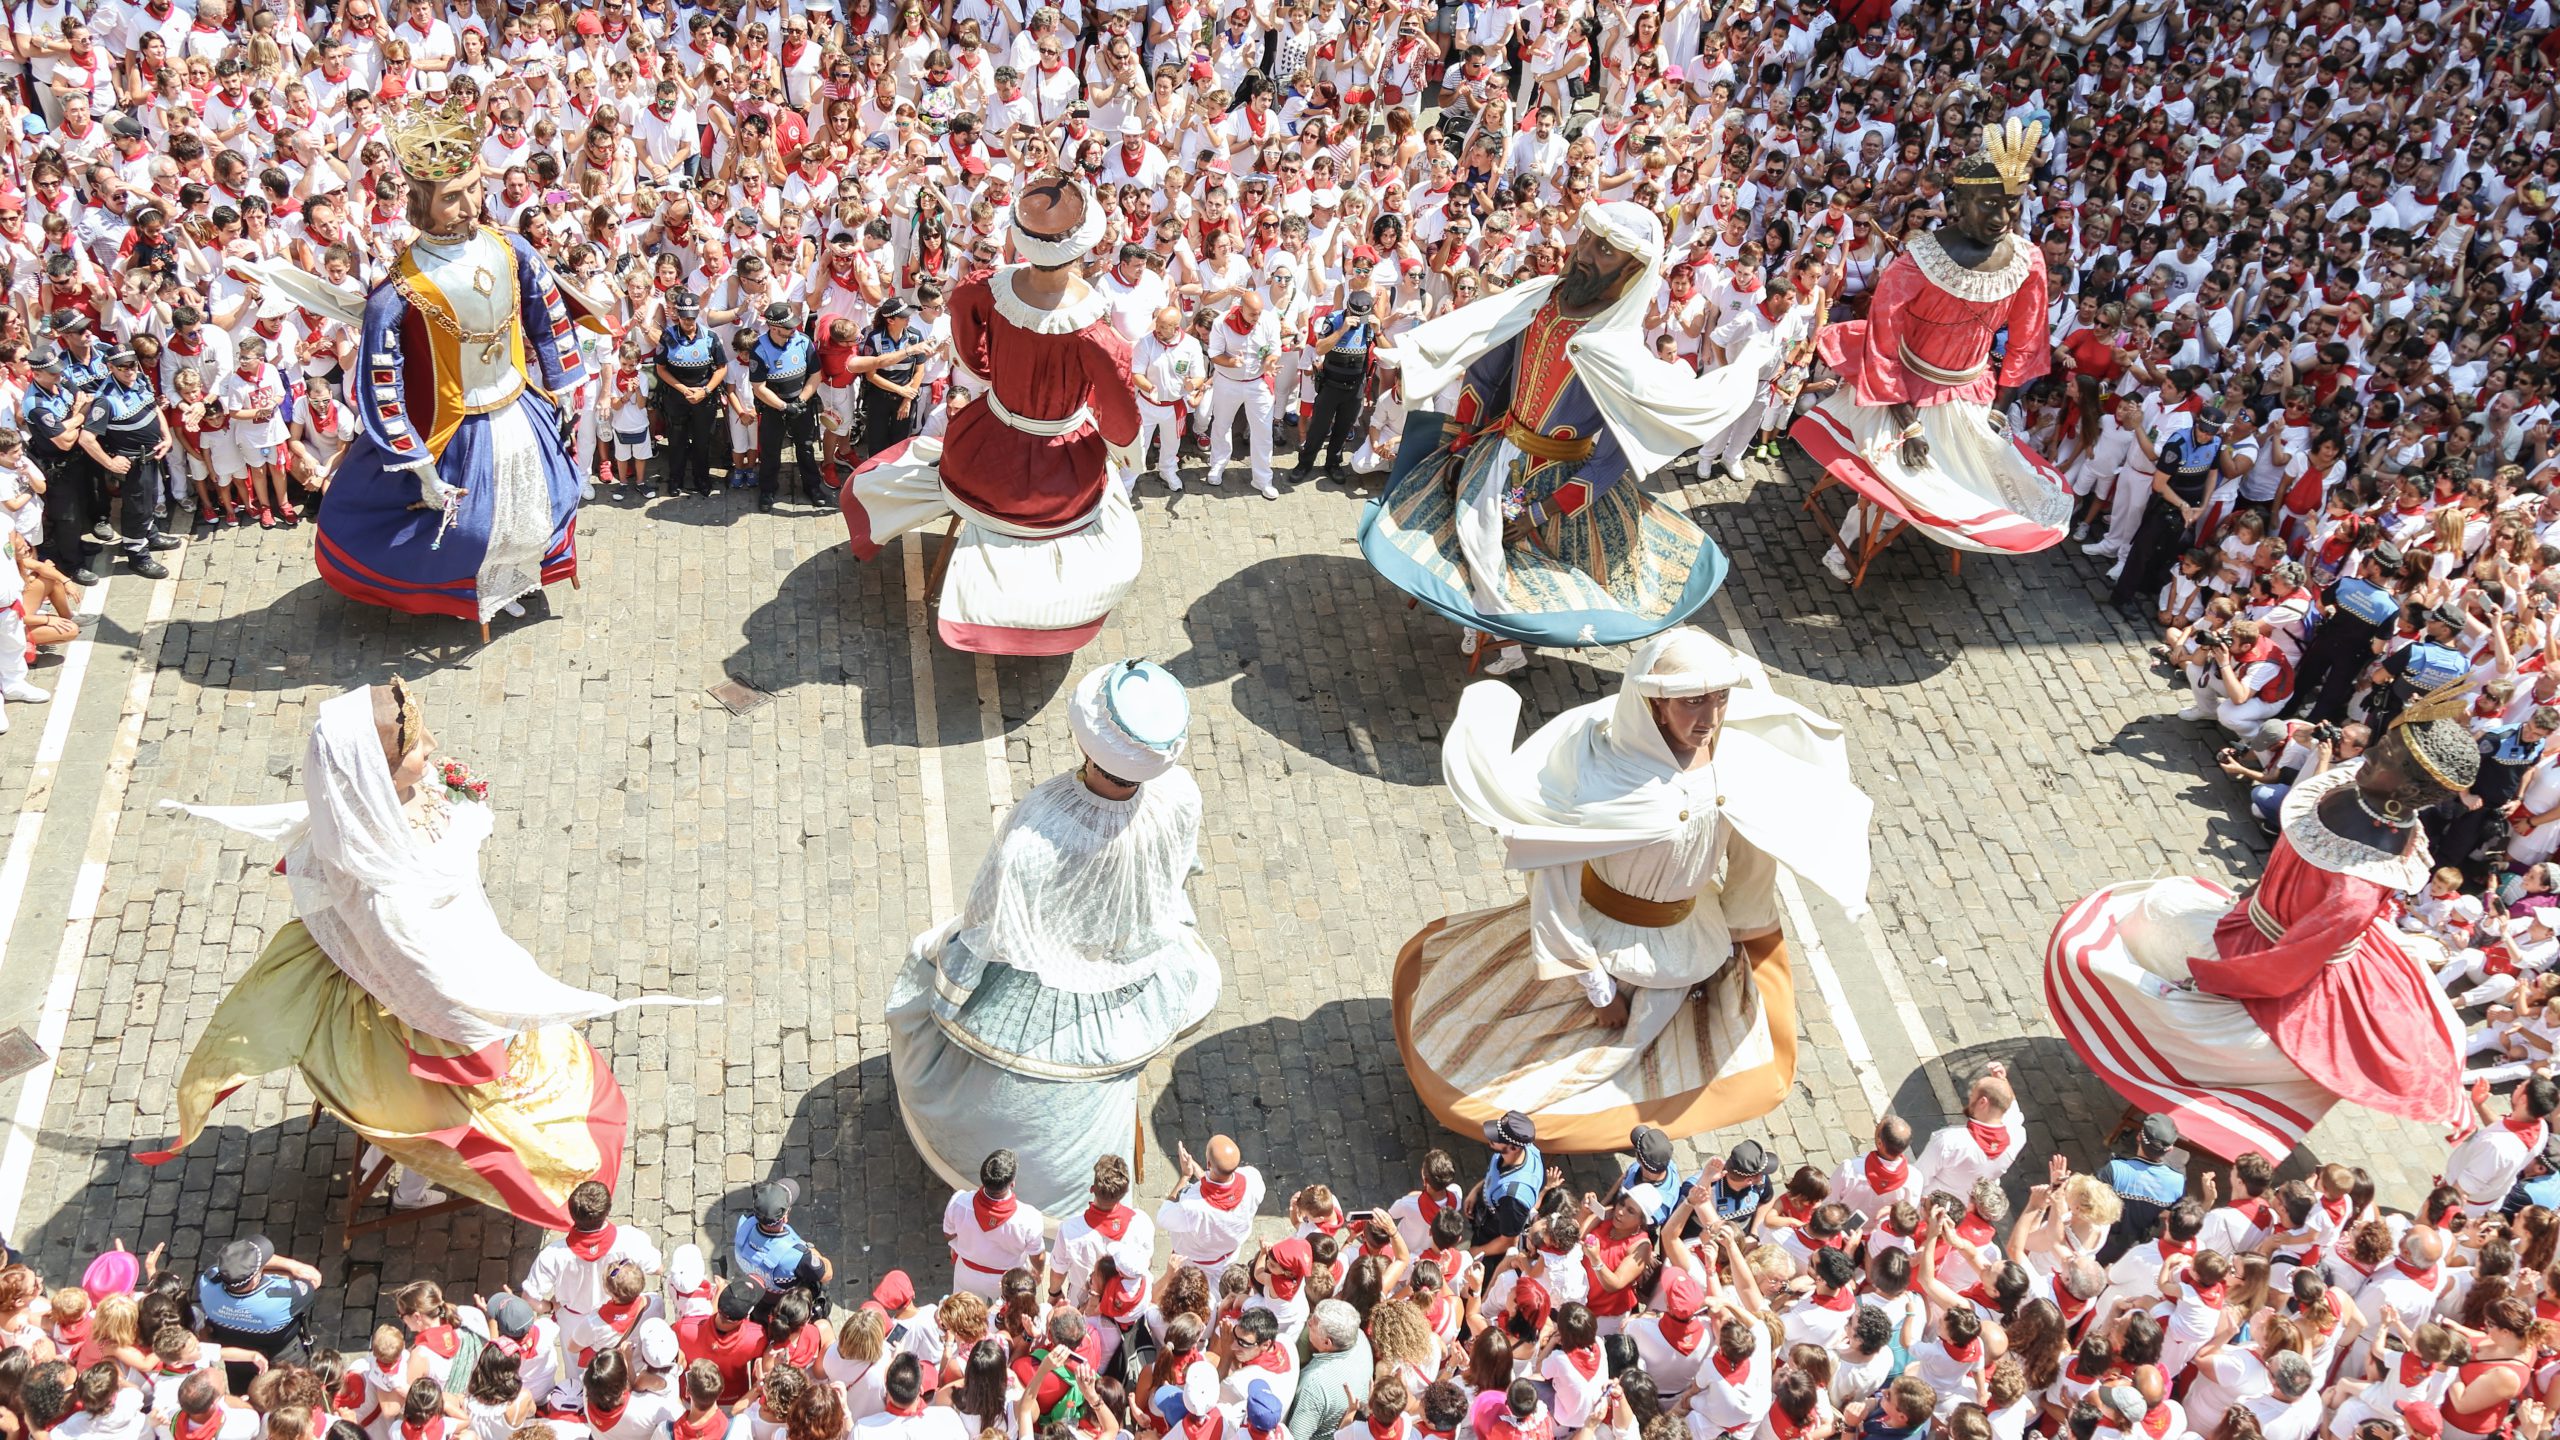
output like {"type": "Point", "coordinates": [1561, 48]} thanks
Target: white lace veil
{"type": "Point", "coordinates": [405, 918]}
{"type": "Point", "coordinates": [1086, 893]}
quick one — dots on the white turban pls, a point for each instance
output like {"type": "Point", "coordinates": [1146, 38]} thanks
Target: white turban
{"type": "Point", "coordinates": [1199, 1389]}
{"type": "Point", "coordinates": [1132, 719]}
{"type": "Point", "coordinates": [1627, 225]}
{"type": "Point", "coordinates": [1068, 249]}
{"type": "Point", "coordinates": [1688, 662]}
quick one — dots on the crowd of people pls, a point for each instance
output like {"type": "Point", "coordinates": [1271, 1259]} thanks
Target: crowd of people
{"type": "Point", "coordinates": [1894, 1294]}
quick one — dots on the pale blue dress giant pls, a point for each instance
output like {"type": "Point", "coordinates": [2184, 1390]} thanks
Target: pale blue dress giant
{"type": "Point", "coordinates": [1025, 1022]}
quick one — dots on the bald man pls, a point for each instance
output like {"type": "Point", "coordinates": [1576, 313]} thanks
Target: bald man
{"type": "Point", "coordinates": [1244, 354]}
{"type": "Point", "coordinates": [1210, 1214]}
{"type": "Point", "coordinates": [1172, 376]}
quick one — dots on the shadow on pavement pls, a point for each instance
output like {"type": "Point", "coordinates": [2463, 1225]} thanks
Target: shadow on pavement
{"type": "Point", "coordinates": [334, 641]}
{"type": "Point", "coordinates": [1326, 658]}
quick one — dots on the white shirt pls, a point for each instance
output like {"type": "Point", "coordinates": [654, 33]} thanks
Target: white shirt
{"type": "Point", "coordinates": [1014, 1241]}
{"type": "Point", "coordinates": [575, 1287]}
{"type": "Point", "coordinates": [1079, 1245]}
{"type": "Point", "coordinates": [1849, 1186]}
{"type": "Point", "coordinates": [1953, 1159]}
{"type": "Point", "coordinates": [1133, 304]}
{"type": "Point", "coordinates": [1671, 1370]}
{"type": "Point", "coordinates": [1207, 1234]}
{"type": "Point", "coordinates": [935, 1422]}
{"type": "Point", "coordinates": [2484, 1167]}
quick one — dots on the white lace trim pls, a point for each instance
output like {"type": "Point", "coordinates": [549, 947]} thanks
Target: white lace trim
{"type": "Point", "coordinates": [2325, 849]}
{"type": "Point", "coordinates": [1982, 286]}
{"type": "Point", "coordinates": [1065, 320]}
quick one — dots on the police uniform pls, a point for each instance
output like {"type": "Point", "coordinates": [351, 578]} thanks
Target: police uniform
{"type": "Point", "coordinates": [1342, 383]}
{"type": "Point", "coordinates": [51, 416]}
{"type": "Point", "coordinates": [124, 420]}
{"type": "Point", "coordinates": [788, 369]}
{"type": "Point", "coordinates": [2191, 462]}
{"type": "Point", "coordinates": [693, 426]}
{"type": "Point", "coordinates": [882, 425]}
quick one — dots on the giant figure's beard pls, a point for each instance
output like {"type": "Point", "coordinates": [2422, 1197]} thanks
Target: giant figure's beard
{"type": "Point", "coordinates": [1583, 286]}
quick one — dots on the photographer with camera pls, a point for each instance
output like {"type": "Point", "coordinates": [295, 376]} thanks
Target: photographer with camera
{"type": "Point", "coordinates": [2241, 676]}
{"type": "Point", "coordinates": [2283, 754]}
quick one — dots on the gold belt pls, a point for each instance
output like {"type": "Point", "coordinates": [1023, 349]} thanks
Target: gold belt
{"type": "Point", "coordinates": [1936, 376]}
{"type": "Point", "coordinates": [1628, 909]}
{"type": "Point", "coordinates": [2266, 925]}
{"type": "Point", "coordinates": [1529, 441]}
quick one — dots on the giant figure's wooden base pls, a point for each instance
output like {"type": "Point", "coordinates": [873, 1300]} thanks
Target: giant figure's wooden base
{"type": "Point", "coordinates": [1481, 1034]}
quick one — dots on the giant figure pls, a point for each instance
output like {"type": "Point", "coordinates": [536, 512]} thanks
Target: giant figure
{"type": "Point", "coordinates": [1045, 544]}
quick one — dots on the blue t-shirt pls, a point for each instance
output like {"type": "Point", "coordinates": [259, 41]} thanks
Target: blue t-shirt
{"type": "Point", "coordinates": [1671, 1186]}
{"type": "Point", "coordinates": [774, 1259]}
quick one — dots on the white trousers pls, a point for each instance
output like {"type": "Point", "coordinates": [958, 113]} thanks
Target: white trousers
{"type": "Point", "coordinates": [1158, 427]}
{"type": "Point", "coordinates": [1226, 397]}
{"type": "Point", "coordinates": [2465, 965]}
{"type": "Point", "coordinates": [2240, 717]}
{"type": "Point", "coordinates": [13, 647]}
{"type": "Point", "coordinates": [2129, 494]}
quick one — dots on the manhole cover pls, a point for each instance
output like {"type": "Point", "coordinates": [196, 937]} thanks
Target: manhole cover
{"type": "Point", "coordinates": [19, 1054]}
{"type": "Point", "coordinates": [738, 697]}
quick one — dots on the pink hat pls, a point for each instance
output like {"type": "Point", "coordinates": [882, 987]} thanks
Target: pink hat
{"type": "Point", "coordinates": [116, 1272]}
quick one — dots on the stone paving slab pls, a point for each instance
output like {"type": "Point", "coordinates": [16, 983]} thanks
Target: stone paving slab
{"type": "Point", "coordinates": [2015, 740]}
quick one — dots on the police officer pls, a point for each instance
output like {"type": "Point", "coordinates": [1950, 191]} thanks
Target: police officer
{"type": "Point", "coordinates": [1343, 339]}
{"type": "Point", "coordinates": [1498, 1209]}
{"type": "Point", "coordinates": [54, 414]}
{"type": "Point", "coordinates": [892, 410]}
{"type": "Point", "coordinates": [251, 1298]}
{"type": "Point", "coordinates": [2183, 475]}
{"type": "Point", "coordinates": [125, 440]}
{"type": "Point", "coordinates": [782, 370]}
{"type": "Point", "coordinates": [690, 367]}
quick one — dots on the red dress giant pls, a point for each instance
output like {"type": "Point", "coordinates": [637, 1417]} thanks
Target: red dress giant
{"type": "Point", "coordinates": [1047, 543]}
{"type": "Point", "coordinates": [2245, 1020]}
{"type": "Point", "coordinates": [1926, 342]}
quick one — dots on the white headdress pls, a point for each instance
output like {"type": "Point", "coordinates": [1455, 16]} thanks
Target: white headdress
{"type": "Point", "coordinates": [1689, 661]}
{"type": "Point", "coordinates": [1071, 247]}
{"type": "Point", "coordinates": [1132, 719]}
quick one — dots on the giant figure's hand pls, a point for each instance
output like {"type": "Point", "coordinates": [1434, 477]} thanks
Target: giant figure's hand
{"type": "Point", "coordinates": [1915, 451]}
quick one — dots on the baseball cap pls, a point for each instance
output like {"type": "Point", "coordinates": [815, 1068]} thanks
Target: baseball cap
{"type": "Point", "coordinates": [66, 321]}
{"type": "Point", "coordinates": [654, 1345]}
{"type": "Point", "coordinates": [44, 357]}
{"type": "Point", "coordinates": [126, 128]}
{"type": "Point", "coordinates": [777, 313]}
{"type": "Point", "coordinates": [1652, 1147]}
{"type": "Point", "coordinates": [1682, 1295]}
{"type": "Point", "coordinates": [122, 355]}
{"type": "Point", "coordinates": [2159, 1132]}
{"type": "Point", "coordinates": [738, 1299]}
{"type": "Point", "coordinates": [2424, 1418]}
{"type": "Point", "coordinates": [32, 125]}
{"type": "Point", "coordinates": [588, 23]}
{"type": "Point", "coordinates": [684, 302]}
{"type": "Point", "coordinates": [1747, 1158]}
{"type": "Point", "coordinates": [1360, 303]}
{"type": "Point", "coordinates": [1646, 1198]}
{"type": "Point", "coordinates": [774, 1198]}
{"type": "Point", "coordinates": [1513, 1128]}
{"type": "Point", "coordinates": [241, 1260]}
{"type": "Point", "coordinates": [892, 308]}
{"type": "Point", "coordinates": [510, 1314]}
{"type": "Point", "coordinates": [1261, 1407]}
{"type": "Point", "coordinates": [2210, 418]}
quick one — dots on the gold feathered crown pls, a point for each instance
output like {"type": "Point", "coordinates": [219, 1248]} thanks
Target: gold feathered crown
{"type": "Point", "coordinates": [2009, 149]}
{"type": "Point", "coordinates": [435, 141]}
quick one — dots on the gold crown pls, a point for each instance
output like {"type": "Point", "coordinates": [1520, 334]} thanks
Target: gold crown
{"type": "Point", "coordinates": [435, 141]}
{"type": "Point", "coordinates": [2011, 150]}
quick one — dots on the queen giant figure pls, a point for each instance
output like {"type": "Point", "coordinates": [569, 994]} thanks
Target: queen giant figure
{"type": "Point", "coordinates": [456, 496]}
{"type": "Point", "coordinates": [2244, 1018]}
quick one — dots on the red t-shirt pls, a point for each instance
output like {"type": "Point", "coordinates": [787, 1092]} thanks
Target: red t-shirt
{"type": "Point", "coordinates": [699, 1337]}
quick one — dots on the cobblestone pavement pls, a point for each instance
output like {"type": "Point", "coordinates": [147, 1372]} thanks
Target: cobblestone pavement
{"type": "Point", "coordinates": [2019, 749]}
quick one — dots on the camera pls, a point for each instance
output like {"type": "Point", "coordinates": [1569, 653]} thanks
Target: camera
{"type": "Point", "coordinates": [2209, 640]}
{"type": "Point", "coordinates": [2324, 733]}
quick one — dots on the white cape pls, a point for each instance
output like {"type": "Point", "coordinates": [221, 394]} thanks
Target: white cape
{"type": "Point", "coordinates": [1658, 411]}
{"type": "Point", "coordinates": [1596, 780]}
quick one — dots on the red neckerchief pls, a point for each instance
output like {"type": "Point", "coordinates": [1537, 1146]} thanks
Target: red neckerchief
{"type": "Point", "coordinates": [621, 1315]}
{"type": "Point", "coordinates": [1795, 1207]}
{"type": "Point", "coordinates": [1731, 1370]}
{"type": "Point", "coordinates": [1121, 1297]}
{"type": "Point", "coordinates": [2528, 1129]}
{"type": "Point", "coordinates": [2071, 1309]}
{"type": "Point", "coordinates": [1974, 1229]}
{"type": "Point", "coordinates": [432, 1430]}
{"type": "Point", "coordinates": [1234, 315]}
{"type": "Point", "coordinates": [443, 1340]}
{"type": "Point", "coordinates": [2252, 1209]}
{"type": "Point", "coordinates": [2337, 1208]}
{"type": "Point", "coordinates": [1684, 1335]}
{"type": "Point", "coordinates": [591, 1244]}
{"type": "Point", "coordinates": [2413, 1370]}
{"type": "Point", "coordinates": [2181, 1247]}
{"type": "Point", "coordinates": [1271, 1358]}
{"type": "Point", "coordinates": [1392, 1432]}
{"type": "Point", "coordinates": [1845, 1298]}
{"type": "Point", "coordinates": [1430, 1203]}
{"type": "Point", "coordinates": [1112, 1223]}
{"type": "Point", "coordinates": [908, 1411]}
{"type": "Point", "coordinates": [714, 1423]}
{"type": "Point", "coordinates": [1970, 1352]}
{"type": "Point", "coordinates": [1886, 1176]}
{"type": "Point", "coordinates": [2211, 1295]}
{"type": "Point", "coordinates": [1784, 1428]}
{"type": "Point", "coordinates": [1992, 1138]}
{"type": "Point", "coordinates": [2156, 1423]}
{"type": "Point", "coordinates": [991, 1213]}
{"type": "Point", "coordinates": [1436, 1311]}
{"type": "Point", "coordinates": [1224, 1194]}
{"type": "Point", "coordinates": [792, 49]}
{"type": "Point", "coordinates": [602, 1419]}
{"type": "Point", "coordinates": [2426, 1277]}
{"type": "Point", "coordinates": [1212, 1426]}
{"type": "Point", "coordinates": [1586, 1360]}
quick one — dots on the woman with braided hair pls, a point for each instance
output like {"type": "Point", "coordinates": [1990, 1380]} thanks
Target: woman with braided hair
{"type": "Point", "coordinates": [2244, 1018]}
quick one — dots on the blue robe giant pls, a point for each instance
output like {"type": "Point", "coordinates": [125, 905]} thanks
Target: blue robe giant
{"type": "Point", "coordinates": [377, 542]}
